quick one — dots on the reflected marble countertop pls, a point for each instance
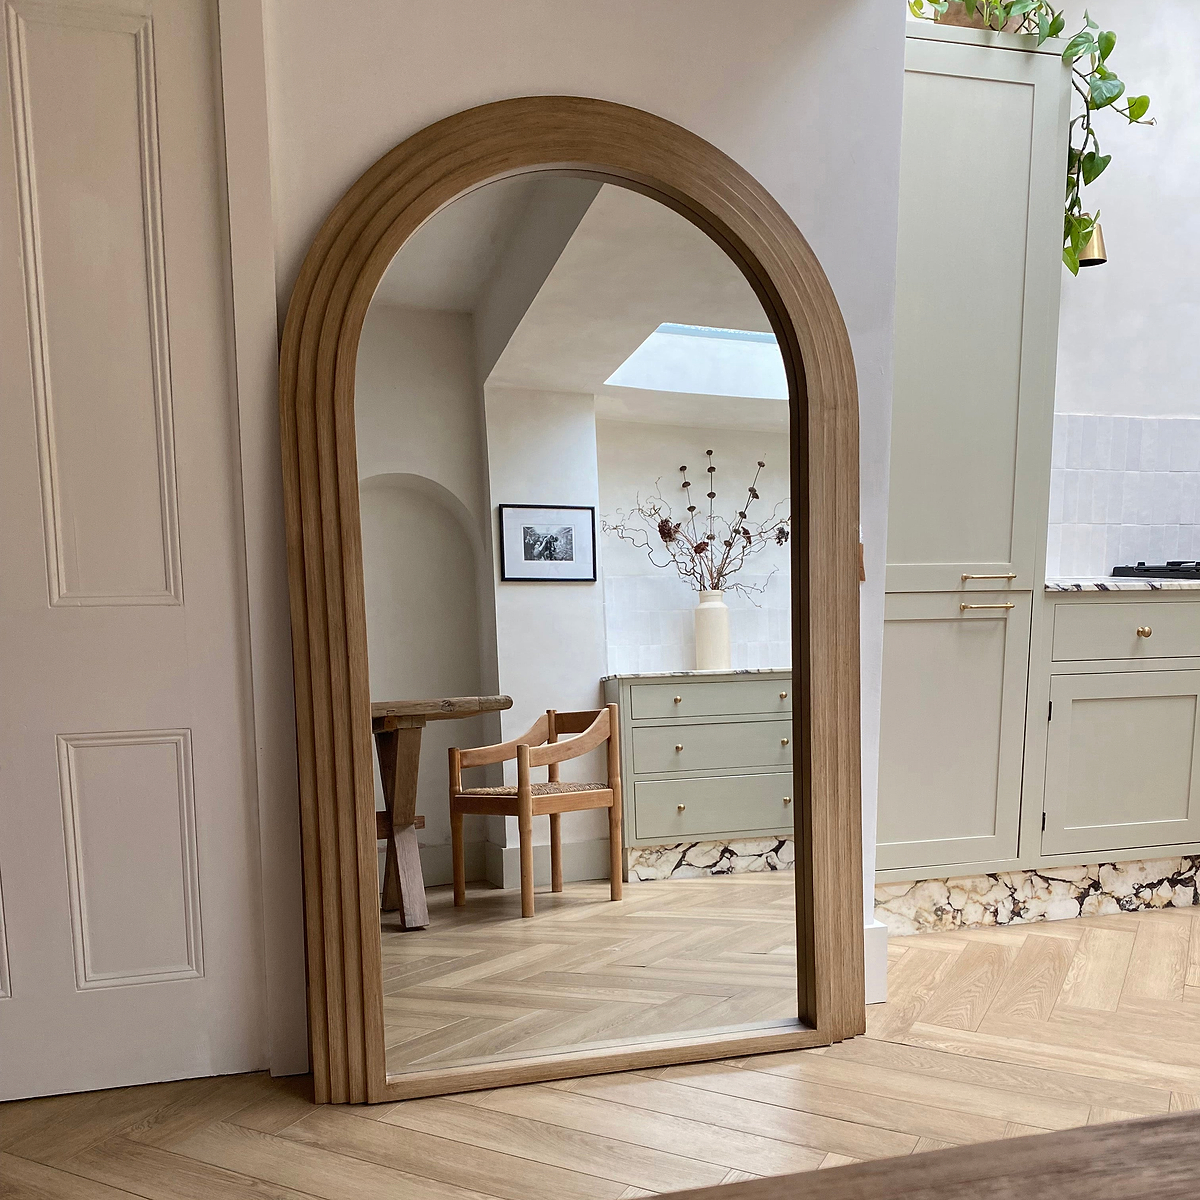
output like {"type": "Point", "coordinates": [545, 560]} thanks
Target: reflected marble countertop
{"type": "Point", "coordinates": [1106, 583]}
{"type": "Point", "coordinates": [696, 674]}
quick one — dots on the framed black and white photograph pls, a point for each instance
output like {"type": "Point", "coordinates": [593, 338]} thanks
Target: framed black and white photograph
{"type": "Point", "coordinates": [547, 542]}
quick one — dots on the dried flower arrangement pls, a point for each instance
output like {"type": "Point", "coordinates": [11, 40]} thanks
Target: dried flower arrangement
{"type": "Point", "coordinates": [706, 550]}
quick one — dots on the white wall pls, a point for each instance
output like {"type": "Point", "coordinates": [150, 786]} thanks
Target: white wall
{"type": "Point", "coordinates": [549, 636]}
{"type": "Point", "coordinates": [649, 611]}
{"type": "Point", "coordinates": [1127, 342]}
{"type": "Point", "coordinates": [415, 547]}
{"type": "Point", "coordinates": [805, 94]}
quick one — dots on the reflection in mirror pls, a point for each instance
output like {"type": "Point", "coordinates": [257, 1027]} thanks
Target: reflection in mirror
{"type": "Point", "coordinates": [572, 426]}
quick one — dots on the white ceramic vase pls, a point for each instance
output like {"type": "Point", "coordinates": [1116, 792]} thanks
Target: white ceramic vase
{"type": "Point", "coordinates": [712, 633]}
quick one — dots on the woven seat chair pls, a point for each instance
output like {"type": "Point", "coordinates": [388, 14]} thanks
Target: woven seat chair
{"type": "Point", "coordinates": [540, 747]}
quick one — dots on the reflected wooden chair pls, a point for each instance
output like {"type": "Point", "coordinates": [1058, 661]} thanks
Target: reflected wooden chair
{"type": "Point", "coordinates": [540, 747]}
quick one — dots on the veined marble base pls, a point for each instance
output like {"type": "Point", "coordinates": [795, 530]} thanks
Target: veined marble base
{"type": "Point", "coordinates": [690, 860]}
{"type": "Point", "coordinates": [1049, 894]}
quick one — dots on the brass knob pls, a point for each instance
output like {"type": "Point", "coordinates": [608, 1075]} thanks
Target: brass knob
{"type": "Point", "coordinates": [681, 807]}
{"type": "Point", "coordinates": [678, 699]}
{"type": "Point", "coordinates": [787, 799]}
{"type": "Point", "coordinates": [1144, 631]}
{"type": "Point", "coordinates": [783, 695]}
{"type": "Point", "coordinates": [784, 741]}
{"type": "Point", "coordinates": [678, 747]}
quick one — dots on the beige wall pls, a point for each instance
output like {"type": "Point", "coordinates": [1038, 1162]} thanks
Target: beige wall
{"type": "Point", "coordinates": [803, 93]}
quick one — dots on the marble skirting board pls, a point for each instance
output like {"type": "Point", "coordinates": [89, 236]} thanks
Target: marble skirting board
{"type": "Point", "coordinates": [1047, 894]}
{"type": "Point", "coordinates": [690, 860]}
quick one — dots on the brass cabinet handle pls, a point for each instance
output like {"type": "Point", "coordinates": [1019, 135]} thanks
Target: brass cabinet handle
{"type": "Point", "coordinates": [1144, 631]}
{"type": "Point", "coordinates": [1010, 575]}
{"type": "Point", "coordinates": [678, 747]}
{"type": "Point", "coordinates": [680, 807]}
{"type": "Point", "coordinates": [783, 695]}
{"type": "Point", "coordinates": [678, 699]}
{"type": "Point", "coordinates": [787, 799]}
{"type": "Point", "coordinates": [784, 741]}
{"type": "Point", "coordinates": [964, 607]}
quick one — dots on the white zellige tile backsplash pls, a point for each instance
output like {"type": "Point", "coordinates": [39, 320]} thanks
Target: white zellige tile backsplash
{"type": "Point", "coordinates": [1122, 489]}
{"type": "Point", "coordinates": [650, 623]}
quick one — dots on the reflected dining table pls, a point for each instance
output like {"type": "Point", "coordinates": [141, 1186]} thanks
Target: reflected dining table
{"type": "Point", "coordinates": [397, 726]}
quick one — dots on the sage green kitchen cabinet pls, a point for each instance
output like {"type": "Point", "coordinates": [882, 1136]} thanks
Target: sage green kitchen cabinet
{"type": "Point", "coordinates": [951, 728]}
{"type": "Point", "coordinates": [1122, 760]}
{"type": "Point", "coordinates": [705, 755]}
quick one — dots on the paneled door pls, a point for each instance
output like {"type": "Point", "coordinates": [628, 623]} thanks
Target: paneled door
{"type": "Point", "coordinates": [1122, 761]}
{"type": "Point", "coordinates": [130, 937]}
{"type": "Point", "coordinates": [977, 281]}
{"type": "Point", "coordinates": [952, 728]}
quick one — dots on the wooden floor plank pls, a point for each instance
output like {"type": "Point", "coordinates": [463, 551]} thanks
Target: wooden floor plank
{"type": "Point", "coordinates": [695, 1138]}
{"type": "Point", "coordinates": [967, 990]}
{"type": "Point", "coordinates": [23, 1179]}
{"type": "Point", "coordinates": [444, 1159]}
{"type": "Point", "coordinates": [1097, 972]}
{"type": "Point", "coordinates": [1158, 966]}
{"type": "Point", "coordinates": [555, 1144]}
{"type": "Point", "coordinates": [1031, 987]}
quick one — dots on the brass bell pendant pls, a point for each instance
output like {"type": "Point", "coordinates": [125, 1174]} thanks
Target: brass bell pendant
{"type": "Point", "coordinates": [1092, 255]}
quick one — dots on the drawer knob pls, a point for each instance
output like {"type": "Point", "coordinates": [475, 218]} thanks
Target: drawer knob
{"type": "Point", "coordinates": [1144, 631]}
{"type": "Point", "coordinates": [678, 747]}
{"type": "Point", "coordinates": [783, 695]}
{"type": "Point", "coordinates": [680, 807]}
{"type": "Point", "coordinates": [784, 741]}
{"type": "Point", "coordinates": [787, 799]}
{"type": "Point", "coordinates": [678, 700]}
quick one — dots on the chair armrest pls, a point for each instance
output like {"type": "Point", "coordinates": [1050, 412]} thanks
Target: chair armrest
{"type": "Point", "coordinates": [596, 734]}
{"type": "Point", "coordinates": [482, 756]}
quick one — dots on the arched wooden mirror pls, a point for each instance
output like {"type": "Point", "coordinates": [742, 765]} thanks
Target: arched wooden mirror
{"type": "Point", "coordinates": [507, 339]}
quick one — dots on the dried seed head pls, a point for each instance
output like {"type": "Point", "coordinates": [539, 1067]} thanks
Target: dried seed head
{"type": "Point", "coordinates": [761, 463]}
{"type": "Point", "coordinates": [686, 484]}
{"type": "Point", "coordinates": [712, 495]}
{"type": "Point", "coordinates": [709, 453]}
{"type": "Point", "coordinates": [701, 547]}
{"type": "Point", "coordinates": [781, 535]}
{"type": "Point", "coordinates": [683, 468]}
{"type": "Point", "coordinates": [711, 470]}
{"type": "Point", "coordinates": [667, 531]}
{"type": "Point", "coordinates": [691, 508]}
{"type": "Point", "coordinates": [754, 494]}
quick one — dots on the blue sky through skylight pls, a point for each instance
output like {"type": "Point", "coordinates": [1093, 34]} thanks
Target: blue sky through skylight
{"type": "Point", "coordinates": [705, 361]}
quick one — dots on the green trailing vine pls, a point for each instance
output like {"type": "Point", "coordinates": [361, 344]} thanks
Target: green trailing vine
{"type": "Point", "coordinates": [1087, 54]}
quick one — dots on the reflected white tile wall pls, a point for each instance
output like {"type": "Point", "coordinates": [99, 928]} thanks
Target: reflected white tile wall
{"type": "Point", "coordinates": [649, 623]}
{"type": "Point", "coordinates": [1122, 489]}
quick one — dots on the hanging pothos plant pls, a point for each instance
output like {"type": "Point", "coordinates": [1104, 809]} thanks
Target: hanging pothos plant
{"type": "Point", "coordinates": [1087, 54]}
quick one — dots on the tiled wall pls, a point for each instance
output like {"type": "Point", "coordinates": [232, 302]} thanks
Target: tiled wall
{"type": "Point", "coordinates": [1122, 489]}
{"type": "Point", "coordinates": [650, 623]}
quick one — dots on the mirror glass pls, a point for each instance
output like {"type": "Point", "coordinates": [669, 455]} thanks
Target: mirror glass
{"type": "Point", "coordinates": [572, 426]}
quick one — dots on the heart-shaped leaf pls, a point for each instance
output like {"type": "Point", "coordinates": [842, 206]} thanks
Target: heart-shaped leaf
{"type": "Point", "coordinates": [1106, 41]}
{"type": "Point", "coordinates": [1104, 89]}
{"type": "Point", "coordinates": [1138, 106]}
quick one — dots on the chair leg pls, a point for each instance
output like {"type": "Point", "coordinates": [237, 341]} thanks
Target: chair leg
{"type": "Point", "coordinates": [556, 852]}
{"type": "Point", "coordinates": [615, 869]}
{"type": "Point", "coordinates": [525, 829]}
{"type": "Point", "coordinates": [458, 858]}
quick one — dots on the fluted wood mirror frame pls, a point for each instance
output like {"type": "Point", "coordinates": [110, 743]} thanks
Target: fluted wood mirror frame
{"type": "Point", "coordinates": [633, 149]}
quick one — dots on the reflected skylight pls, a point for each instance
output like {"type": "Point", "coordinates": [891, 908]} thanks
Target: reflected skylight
{"type": "Point", "coordinates": [704, 361]}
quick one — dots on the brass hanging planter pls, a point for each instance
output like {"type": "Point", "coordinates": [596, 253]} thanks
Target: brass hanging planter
{"type": "Point", "coordinates": [1093, 255]}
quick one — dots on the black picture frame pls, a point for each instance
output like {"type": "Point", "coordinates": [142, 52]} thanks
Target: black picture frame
{"type": "Point", "coordinates": [525, 559]}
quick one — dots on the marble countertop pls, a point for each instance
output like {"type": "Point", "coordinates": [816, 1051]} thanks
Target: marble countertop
{"type": "Point", "coordinates": [1106, 583]}
{"type": "Point", "coordinates": [697, 674]}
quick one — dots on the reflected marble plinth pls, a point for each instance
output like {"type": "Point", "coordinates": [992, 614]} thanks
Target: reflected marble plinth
{"type": "Point", "coordinates": [690, 860]}
{"type": "Point", "coordinates": [1049, 894]}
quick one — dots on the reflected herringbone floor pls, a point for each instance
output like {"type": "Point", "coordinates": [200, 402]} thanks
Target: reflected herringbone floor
{"type": "Point", "coordinates": [483, 984]}
{"type": "Point", "coordinates": [988, 1034]}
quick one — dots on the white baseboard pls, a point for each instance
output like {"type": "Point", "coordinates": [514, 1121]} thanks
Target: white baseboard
{"type": "Point", "coordinates": [580, 861]}
{"type": "Point", "coordinates": [875, 939]}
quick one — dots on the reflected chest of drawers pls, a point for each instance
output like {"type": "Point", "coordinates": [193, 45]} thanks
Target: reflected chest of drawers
{"type": "Point", "coordinates": [705, 755]}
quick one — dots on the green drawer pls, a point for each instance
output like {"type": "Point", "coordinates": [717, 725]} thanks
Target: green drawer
{"type": "Point", "coordinates": [721, 698]}
{"type": "Point", "coordinates": [712, 746]}
{"type": "Point", "coordinates": [712, 809]}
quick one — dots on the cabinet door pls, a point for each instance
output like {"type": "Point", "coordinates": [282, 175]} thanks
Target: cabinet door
{"type": "Point", "coordinates": [977, 283]}
{"type": "Point", "coordinates": [1122, 761]}
{"type": "Point", "coordinates": [952, 726]}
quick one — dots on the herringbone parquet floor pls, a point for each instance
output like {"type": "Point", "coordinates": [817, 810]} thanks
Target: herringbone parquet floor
{"type": "Point", "coordinates": [988, 1034]}
{"type": "Point", "coordinates": [482, 984]}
